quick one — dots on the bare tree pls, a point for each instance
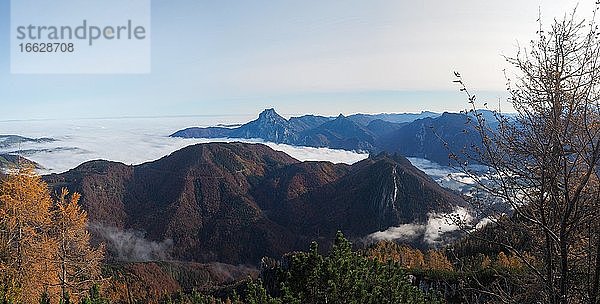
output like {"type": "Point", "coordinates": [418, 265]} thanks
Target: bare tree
{"type": "Point", "coordinates": [544, 164]}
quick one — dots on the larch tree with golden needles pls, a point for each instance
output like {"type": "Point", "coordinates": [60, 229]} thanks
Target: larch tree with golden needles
{"type": "Point", "coordinates": [26, 251]}
{"type": "Point", "coordinates": [77, 262]}
{"type": "Point", "coordinates": [436, 260]}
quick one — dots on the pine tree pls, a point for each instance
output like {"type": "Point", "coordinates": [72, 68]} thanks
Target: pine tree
{"type": "Point", "coordinates": [94, 296]}
{"type": "Point", "coordinates": [345, 276]}
{"type": "Point", "coordinates": [65, 298]}
{"type": "Point", "coordinates": [45, 298]}
{"type": "Point", "coordinates": [257, 294]}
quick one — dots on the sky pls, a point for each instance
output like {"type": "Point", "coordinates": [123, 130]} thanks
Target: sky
{"type": "Point", "coordinates": [323, 57]}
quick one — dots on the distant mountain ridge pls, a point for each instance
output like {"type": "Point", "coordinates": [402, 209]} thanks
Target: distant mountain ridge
{"type": "Point", "coordinates": [425, 135]}
{"type": "Point", "coordinates": [236, 202]}
{"type": "Point", "coordinates": [365, 119]}
{"type": "Point", "coordinates": [10, 161]}
{"type": "Point", "coordinates": [12, 140]}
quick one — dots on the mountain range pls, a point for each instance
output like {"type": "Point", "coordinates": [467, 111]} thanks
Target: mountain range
{"type": "Point", "coordinates": [237, 202]}
{"type": "Point", "coordinates": [425, 135]}
{"type": "Point", "coordinates": [14, 140]}
{"type": "Point", "coordinates": [8, 161]}
{"type": "Point", "coordinates": [10, 151]}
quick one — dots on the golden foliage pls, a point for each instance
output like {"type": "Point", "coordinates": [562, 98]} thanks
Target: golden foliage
{"type": "Point", "coordinates": [408, 257]}
{"type": "Point", "coordinates": [436, 260]}
{"type": "Point", "coordinates": [510, 262]}
{"type": "Point", "coordinates": [27, 250]}
{"type": "Point", "coordinates": [44, 245]}
{"type": "Point", "coordinates": [77, 261]}
{"type": "Point", "coordinates": [486, 262]}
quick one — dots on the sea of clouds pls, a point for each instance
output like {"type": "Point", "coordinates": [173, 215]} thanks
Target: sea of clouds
{"type": "Point", "coordinates": [139, 140]}
{"type": "Point", "coordinates": [445, 176]}
{"type": "Point", "coordinates": [132, 140]}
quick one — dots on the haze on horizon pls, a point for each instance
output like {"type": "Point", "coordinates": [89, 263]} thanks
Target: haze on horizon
{"type": "Point", "coordinates": [321, 57]}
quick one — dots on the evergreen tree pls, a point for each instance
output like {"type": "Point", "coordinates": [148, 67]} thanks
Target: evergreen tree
{"type": "Point", "coordinates": [344, 276]}
{"type": "Point", "coordinates": [65, 298]}
{"type": "Point", "coordinates": [94, 296]}
{"type": "Point", "coordinates": [45, 298]}
{"type": "Point", "coordinates": [257, 294]}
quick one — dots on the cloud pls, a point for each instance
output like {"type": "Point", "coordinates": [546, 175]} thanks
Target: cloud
{"type": "Point", "coordinates": [131, 245]}
{"type": "Point", "coordinates": [440, 224]}
{"type": "Point", "coordinates": [406, 232]}
{"type": "Point", "coordinates": [484, 222]}
{"type": "Point", "coordinates": [446, 176]}
{"type": "Point", "coordinates": [132, 141]}
{"type": "Point", "coordinates": [318, 154]}
{"type": "Point", "coordinates": [431, 233]}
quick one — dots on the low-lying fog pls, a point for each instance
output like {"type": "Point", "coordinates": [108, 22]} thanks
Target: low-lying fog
{"type": "Point", "coordinates": [131, 140]}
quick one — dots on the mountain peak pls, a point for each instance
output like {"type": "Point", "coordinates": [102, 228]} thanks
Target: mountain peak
{"type": "Point", "coordinates": [269, 113]}
{"type": "Point", "coordinates": [265, 202]}
{"type": "Point", "coordinates": [269, 126]}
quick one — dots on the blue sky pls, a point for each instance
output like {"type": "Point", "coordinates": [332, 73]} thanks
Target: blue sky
{"type": "Point", "coordinates": [325, 57]}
